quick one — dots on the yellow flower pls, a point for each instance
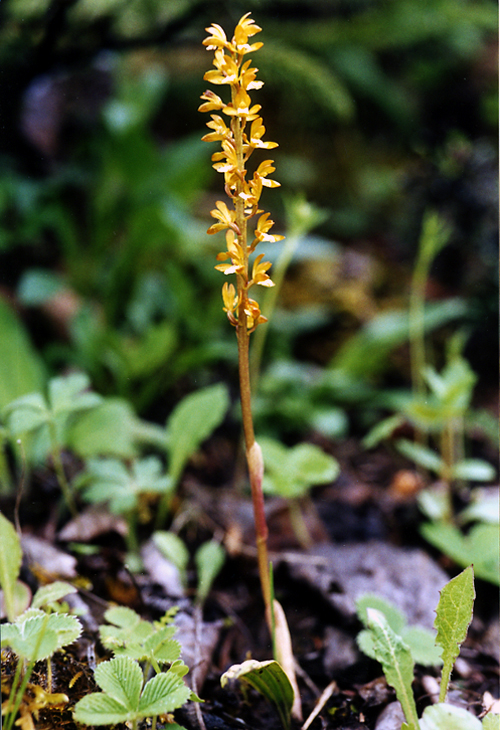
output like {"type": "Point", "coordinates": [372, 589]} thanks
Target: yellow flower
{"type": "Point", "coordinates": [263, 226]}
{"type": "Point", "coordinates": [226, 217]}
{"type": "Point", "coordinates": [259, 269]}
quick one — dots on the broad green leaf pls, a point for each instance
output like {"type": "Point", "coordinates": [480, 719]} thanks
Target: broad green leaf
{"type": "Point", "coordinates": [480, 546]}
{"type": "Point", "coordinates": [397, 662]}
{"type": "Point", "coordinates": [22, 598]}
{"type": "Point", "coordinates": [453, 617]}
{"type": "Point", "coordinates": [269, 679]}
{"type": "Point", "coordinates": [395, 619]}
{"type": "Point", "coordinates": [191, 422]}
{"type": "Point", "coordinates": [107, 430]}
{"type": "Point", "coordinates": [51, 593]}
{"type": "Point", "coordinates": [21, 368]}
{"type": "Point", "coordinates": [491, 721]}
{"type": "Point", "coordinates": [121, 678]}
{"type": "Point", "coordinates": [421, 455]}
{"type": "Point", "coordinates": [209, 559]}
{"type": "Point", "coordinates": [11, 556]}
{"type": "Point", "coordinates": [422, 643]}
{"type": "Point", "coordinates": [162, 694]}
{"type": "Point", "coordinates": [448, 717]}
{"type": "Point", "coordinates": [474, 470]}
{"type": "Point", "coordinates": [312, 465]}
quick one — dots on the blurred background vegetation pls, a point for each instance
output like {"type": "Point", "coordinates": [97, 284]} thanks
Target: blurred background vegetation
{"type": "Point", "coordinates": [383, 110]}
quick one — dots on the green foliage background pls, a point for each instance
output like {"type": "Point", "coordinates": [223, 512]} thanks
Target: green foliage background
{"type": "Point", "coordinates": [382, 109]}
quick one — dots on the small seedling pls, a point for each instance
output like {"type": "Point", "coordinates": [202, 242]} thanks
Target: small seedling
{"type": "Point", "coordinates": [110, 480]}
{"type": "Point", "coordinates": [453, 617]}
{"type": "Point", "coordinates": [126, 695]}
{"type": "Point", "coordinates": [292, 472]}
{"type": "Point", "coordinates": [48, 418]}
{"type": "Point", "coordinates": [420, 641]}
{"type": "Point", "coordinates": [269, 679]}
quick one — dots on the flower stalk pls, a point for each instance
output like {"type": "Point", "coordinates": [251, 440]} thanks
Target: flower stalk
{"type": "Point", "coordinates": [239, 139]}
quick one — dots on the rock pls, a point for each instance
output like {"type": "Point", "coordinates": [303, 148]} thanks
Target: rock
{"type": "Point", "coordinates": [406, 577]}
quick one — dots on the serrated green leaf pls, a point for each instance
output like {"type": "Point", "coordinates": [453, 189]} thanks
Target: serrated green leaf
{"type": "Point", "coordinates": [269, 679]}
{"type": "Point", "coordinates": [163, 693]}
{"type": "Point", "coordinates": [161, 647]}
{"type": "Point", "coordinates": [122, 616]}
{"type": "Point", "coordinates": [448, 717]}
{"type": "Point", "coordinates": [11, 556]}
{"type": "Point", "coordinates": [209, 559]}
{"type": "Point", "coordinates": [51, 593]}
{"type": "Point", "coordinates": [68, 394]}
{"type": "Point", "coordinates": [37, 635]}
{"type": "Point", "coordinates": [121, 679]}
{"type": "Point", "coordinates": [128, 633]}
{"type": "Point", "coordinates": [191, 422]}
{"type": "Point", "coordinates": [397, 662]}
{"type": "Point", "coordinates": [100, 709]}
{"type": "Point", "coordinates": [491, 721]}
{"type": "Point", "coordinates": [453, 617]}
{"type": "Point", "coordinates": [27, 414]}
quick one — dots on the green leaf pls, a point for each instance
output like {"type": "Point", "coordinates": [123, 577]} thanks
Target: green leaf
{"type": "Point", "coordinates": [51, 593]}
{"type": "Point", "coordinates": [448, 717]}
{"type": "Point", "coordinates": [421, 455]}
{"type": "Point", "coordinates": [484, 506]}
{"type": "Point", "coordinates": [291, 472]}
{"type": "Point", "coordinates": [69, 393]}
{"type": "Point", "coordinates": [162, 694]}
{"type": "Point", "coordinates": [173, 549]}
{"type": "Point", "coordinates": [383, 430]}
{"type": "Point", "coordinates": [129, 628]}
{"type": "Point", "coordinates": [395, 619]}
{"type": "Point", "coordinates": [209, 559]}
{"type": "Point", "coordinates": [100, 709]}
{"type": "Point", "coordinates": [107, 429]}
{"type": "Point", "coordinates": [480, 546]}
{"type": "Point", "coordinates": [36, 635]}
{"type": "Point", "coordinates": [38, 286]}
{"type": "Point", "coordinates": [121, 678]}
{"type": "Point", "coordinates": [191, 422]}
{"type": "Point", "coordinates": [21, 368]}
{"type": "Point", "coordinates": [422, 643]}
{"type": "Point", "coordinates": [11, 556]}
{"type": "Point", "coordinates": [27, 414]}
{"type": "Point", "coordinates": [269, 679]}
{"type": "Point", "coordinates": [122, 700]}
{"type": "Point", "coordinates": [453, 617]}
{"type": "Point", "coordinates": [474, 470]}
{"type": "Point", "coordinates": [161, 647]}
{"type": "Point", "coordinates": [397, 662]}
{"type": "Point", "coordinates": [491, 721]}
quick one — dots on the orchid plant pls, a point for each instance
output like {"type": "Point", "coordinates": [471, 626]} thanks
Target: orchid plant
{"type": "Point", "coordinates": [239, 138]}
